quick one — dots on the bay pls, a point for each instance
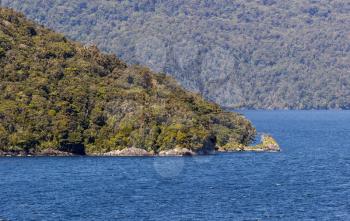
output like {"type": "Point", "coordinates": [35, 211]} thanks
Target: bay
{"type": "Point", "coordinates": [308, 180]}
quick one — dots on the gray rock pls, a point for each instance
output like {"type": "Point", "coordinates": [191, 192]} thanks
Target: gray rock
{"type": "Point", "coordinates": [129, 152]}
{"type": "Point", "coordinates": [53, 152]}
{"type": "Point", "coordinates": [177, 152]}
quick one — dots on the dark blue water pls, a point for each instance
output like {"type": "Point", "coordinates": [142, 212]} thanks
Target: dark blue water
{"type": "Point", "coordinates": [308, 180]}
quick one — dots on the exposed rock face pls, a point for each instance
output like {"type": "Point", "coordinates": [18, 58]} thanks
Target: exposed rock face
{"type": "Point", "coordinates": [53, 152]}
{"type": "Point", "coordinates": [178, 152]}
{"type": "Point", "coordinates": [207, 148]}
{"type": "Point", "coordinates": [128, 152]}
{"type": "Point", "coordinates": [172, 152]}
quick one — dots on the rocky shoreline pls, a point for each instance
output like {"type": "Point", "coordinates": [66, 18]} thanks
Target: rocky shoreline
{"type": "Point", "coordinates": [268, 144]}
{"type": "Point", "coordinates": [43, 153]}
{"type": "Point", "coordinates": [128, 152]}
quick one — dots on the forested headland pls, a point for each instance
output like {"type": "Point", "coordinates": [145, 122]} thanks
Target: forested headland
{"type": "Point", "coordinates": [58, 96]}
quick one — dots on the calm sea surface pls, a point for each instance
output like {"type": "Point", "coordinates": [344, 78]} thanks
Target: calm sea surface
{"type": "Point", "coordinates": [308, 180]}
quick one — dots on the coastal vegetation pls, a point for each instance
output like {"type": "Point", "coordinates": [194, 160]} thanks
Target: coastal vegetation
{"type": "Point", "coordinates": [57, 96]}
{"type": "Point", "coordinates": [268, 143]}
{"type": "Point", "coordinates": [262, 54]}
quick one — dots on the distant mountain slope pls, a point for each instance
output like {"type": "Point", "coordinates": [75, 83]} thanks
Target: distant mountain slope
{"type": "Point", "coordinates": [253, 54]}
{"type": "Point", "coordinates": [57, 94]}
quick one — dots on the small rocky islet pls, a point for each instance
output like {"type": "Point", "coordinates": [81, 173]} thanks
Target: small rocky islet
{"type": "Point", "coordinates": [61, 98]}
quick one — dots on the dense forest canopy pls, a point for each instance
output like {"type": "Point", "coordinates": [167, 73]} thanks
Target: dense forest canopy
{"type": "Point", "coordinates": [239, 53]}
{"type": "Point", "coordinates": [57, 94]}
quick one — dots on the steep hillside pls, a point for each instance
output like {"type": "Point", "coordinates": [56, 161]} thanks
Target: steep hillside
{"type": "Point", "coordinates": [57, 94]}
{"type": "Point", "coordinates": [243, 53]}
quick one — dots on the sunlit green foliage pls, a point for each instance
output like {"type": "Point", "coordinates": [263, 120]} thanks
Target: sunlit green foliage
{"type": "Point", "coordinates": [55, 93]}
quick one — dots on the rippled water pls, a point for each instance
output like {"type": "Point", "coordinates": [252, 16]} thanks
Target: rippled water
{"type": "Point", "coordinates": [308, 180]}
